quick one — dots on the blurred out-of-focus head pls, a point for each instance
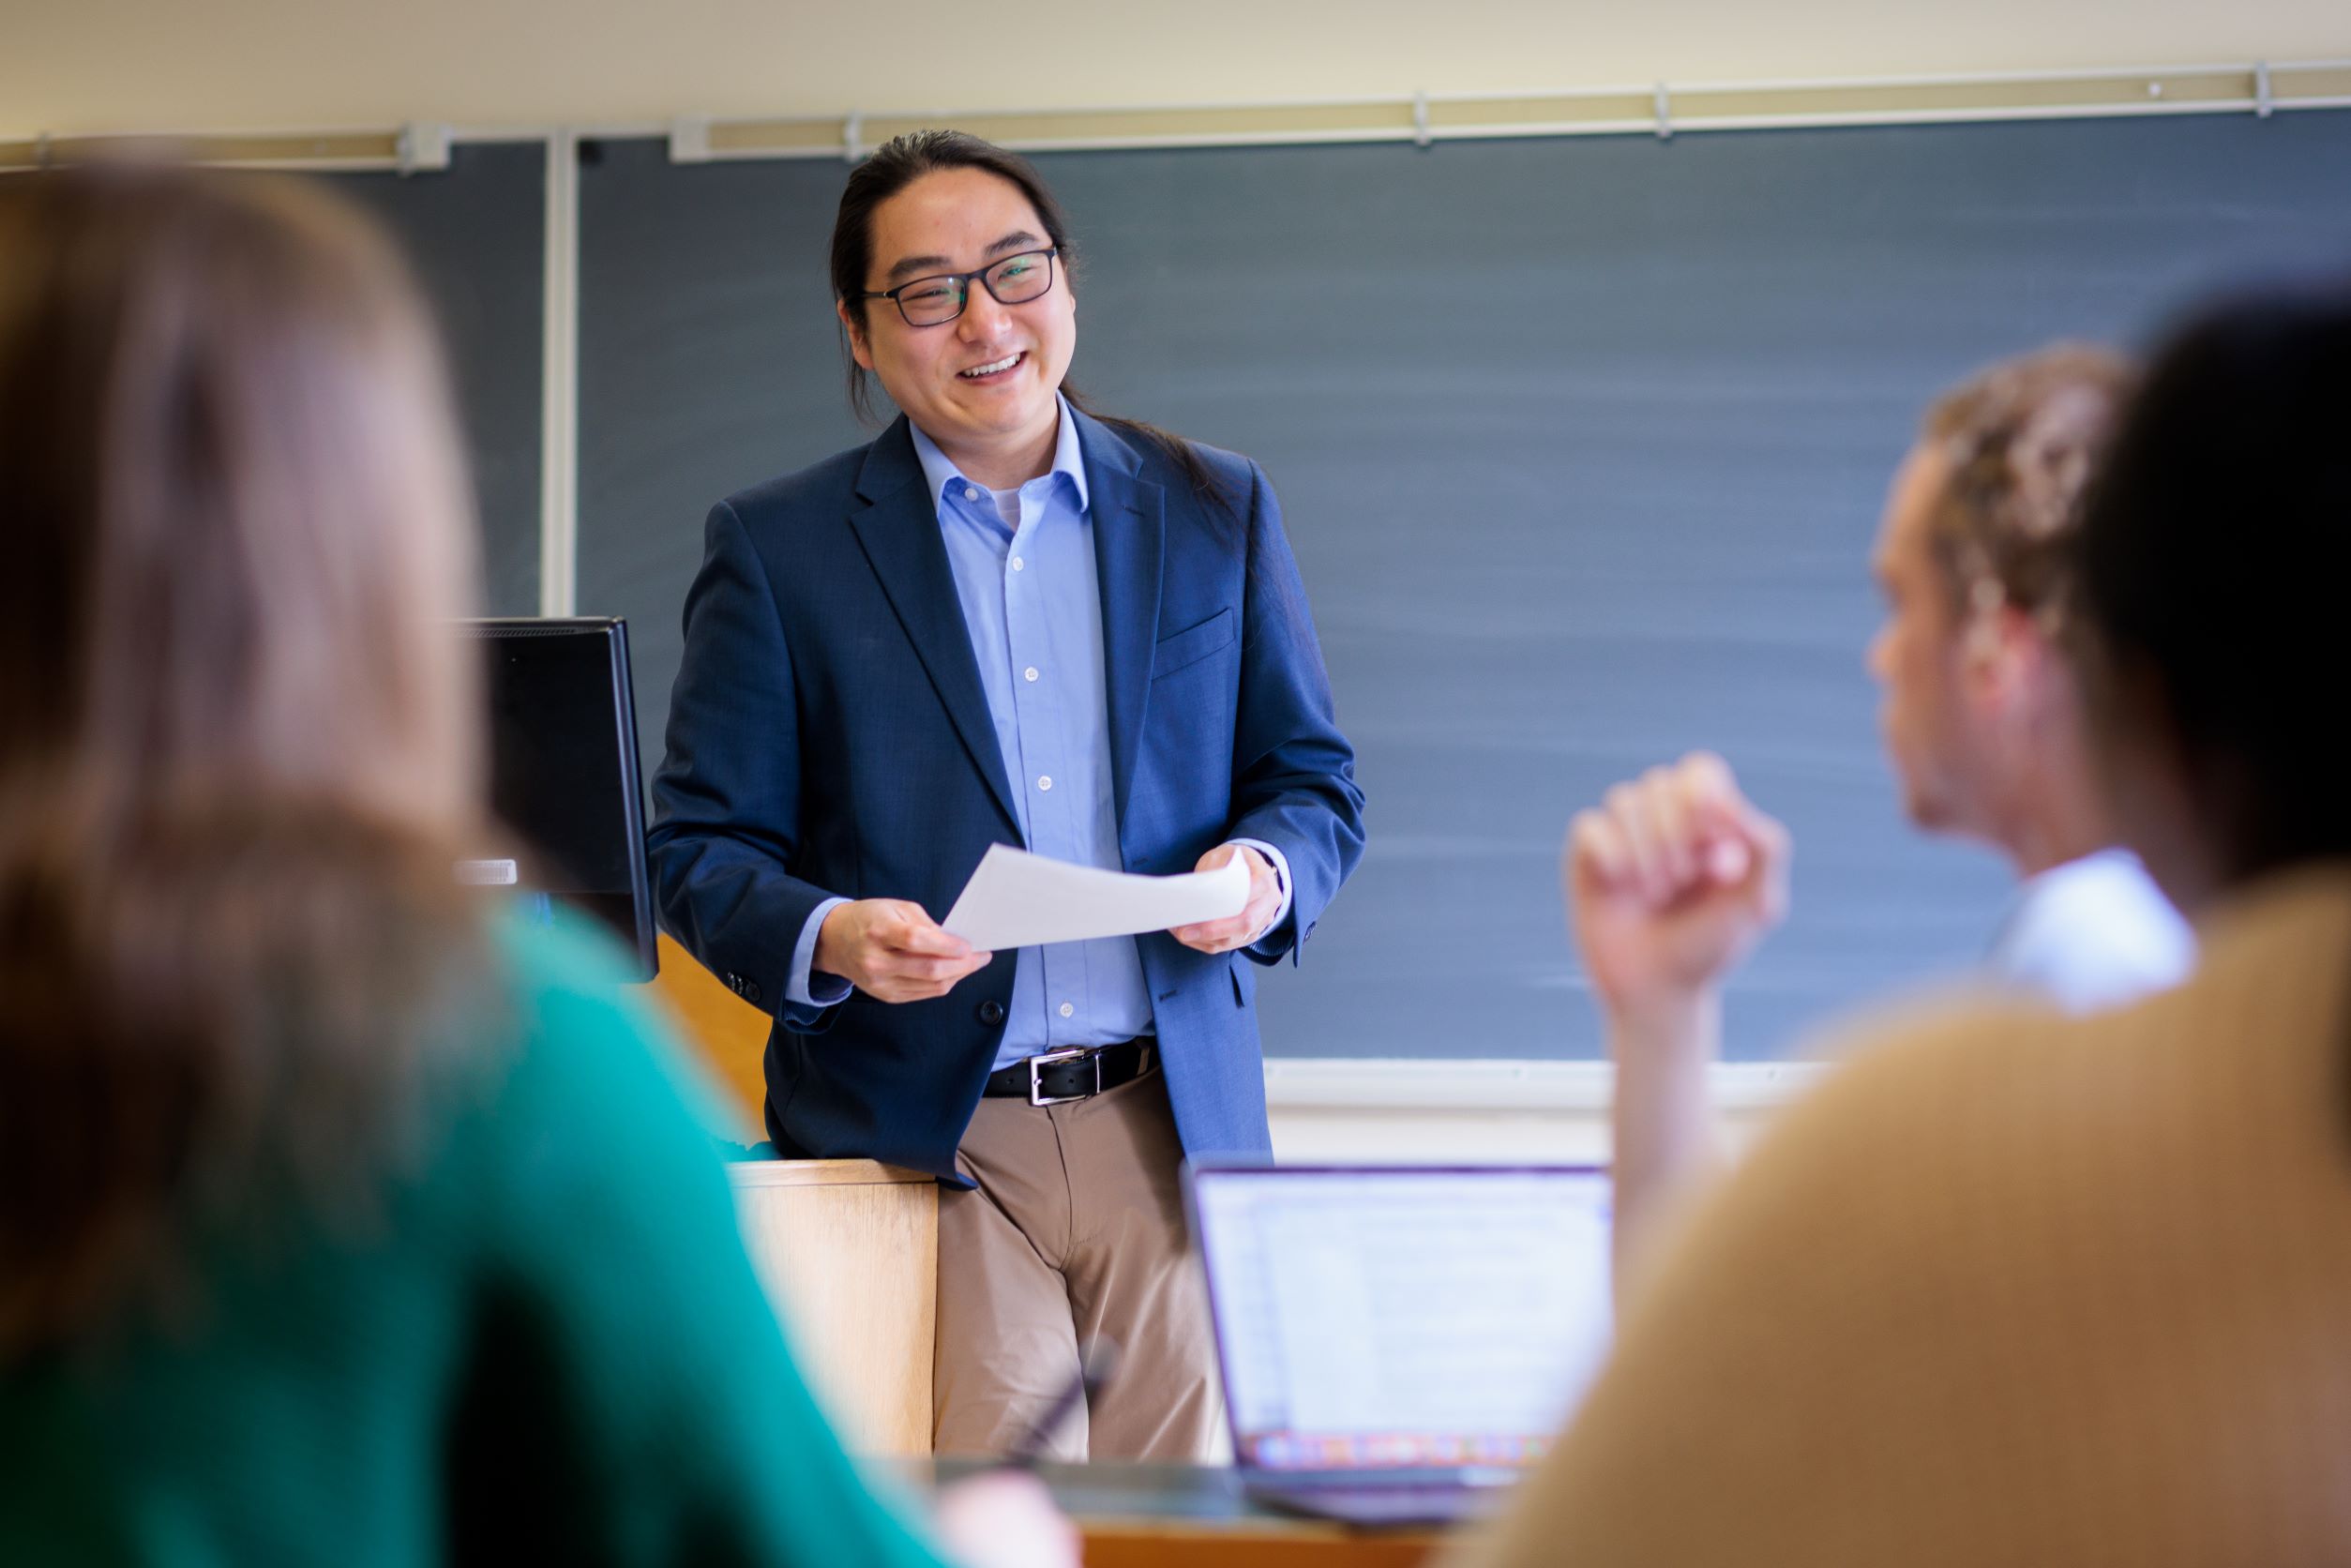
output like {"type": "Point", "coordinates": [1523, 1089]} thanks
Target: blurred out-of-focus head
{"type": "Point", "coordinates": [2214, 558]}
{"type": "Point", "coordinates": [1974, 561]}
{"type": "Point", "coordinates": [239, 518]}
{"type": "Point", "coordinates": [237, 735]}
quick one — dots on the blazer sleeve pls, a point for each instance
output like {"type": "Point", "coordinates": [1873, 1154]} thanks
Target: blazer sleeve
{"type": "Point", "coordinates": [1293, 781]}
{"type": "Point", "coordinates": [727, 798]}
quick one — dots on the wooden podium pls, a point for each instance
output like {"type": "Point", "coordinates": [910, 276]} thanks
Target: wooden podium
{"type": "Point", "coordinates": [848, 1251]}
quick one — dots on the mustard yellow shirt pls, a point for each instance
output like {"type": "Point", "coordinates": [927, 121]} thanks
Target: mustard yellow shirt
{"type": "Point", "coordinates": [2014, 1289]}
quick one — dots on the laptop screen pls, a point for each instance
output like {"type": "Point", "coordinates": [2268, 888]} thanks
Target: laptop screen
{"type": "Point", "coordinates": [1394, 1316]}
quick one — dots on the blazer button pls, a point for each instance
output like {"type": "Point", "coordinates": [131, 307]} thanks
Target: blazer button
{"type": "Point", "coordinates": [750, 990]}
{"type": "Point", "coordinates": [991, 1013]}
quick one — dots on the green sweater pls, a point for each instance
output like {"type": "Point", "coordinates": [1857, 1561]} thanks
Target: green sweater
{"type": "Point", "coordinates": [554, 1351]}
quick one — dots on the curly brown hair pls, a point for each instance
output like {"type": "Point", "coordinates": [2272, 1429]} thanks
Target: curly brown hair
{"type": "Point", "coordinates": [2020, 442]}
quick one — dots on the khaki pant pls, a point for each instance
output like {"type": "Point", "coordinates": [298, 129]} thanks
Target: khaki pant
{"type": "Point", "coordinates": [1075, 1232]}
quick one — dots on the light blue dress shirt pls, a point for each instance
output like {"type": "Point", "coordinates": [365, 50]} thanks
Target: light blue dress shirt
{"type": "Point", "coordinates": [1024, 571]}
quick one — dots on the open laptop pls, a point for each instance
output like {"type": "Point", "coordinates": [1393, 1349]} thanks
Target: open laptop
{"type": "Point", "coordinates": [1401, 1343]}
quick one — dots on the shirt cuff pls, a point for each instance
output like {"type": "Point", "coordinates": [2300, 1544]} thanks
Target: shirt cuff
{"type": "Point", "coordinates": [1280, 863]}
{"type": "Point", "coordinates": [800, 993]}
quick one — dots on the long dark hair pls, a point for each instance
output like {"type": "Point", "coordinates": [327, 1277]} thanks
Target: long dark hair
{"type": "Point", "coordinates": [898, 163]}
{"type": "Point", "coordinates": [236, 735]}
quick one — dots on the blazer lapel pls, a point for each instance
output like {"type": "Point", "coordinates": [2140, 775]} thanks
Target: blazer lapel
{"type": "Point", "coordinates": [897, 525]}
{"type": "Point", "coordinates": [1129, 535]}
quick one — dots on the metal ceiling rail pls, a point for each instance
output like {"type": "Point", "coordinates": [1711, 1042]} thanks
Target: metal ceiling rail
{"type": "Point", "coordinates": [1660, 108]}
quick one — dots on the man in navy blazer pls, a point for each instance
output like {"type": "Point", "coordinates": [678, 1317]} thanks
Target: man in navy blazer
{"type": "Point", "coordinates": [828, 737]}
{"type": "Point", "coordinates": [880, 649]}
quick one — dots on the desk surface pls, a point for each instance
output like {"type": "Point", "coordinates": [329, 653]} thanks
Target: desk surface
{"type": "Point", "coordinates": [1179, 1515]}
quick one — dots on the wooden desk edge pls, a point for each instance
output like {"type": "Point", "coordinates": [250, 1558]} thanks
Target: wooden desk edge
{"type": "Point", "coordinates": [1173, 1543]}
{"type": "Point", "coordinates": [822, 1173]}
{"type": "Point", "coordinates": [1254, 1528]}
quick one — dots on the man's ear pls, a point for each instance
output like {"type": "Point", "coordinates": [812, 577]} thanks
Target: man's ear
{"type": "Point", "coordinates": [859, 348]}
{"type": "Point", "coordinates": [2002, 652]}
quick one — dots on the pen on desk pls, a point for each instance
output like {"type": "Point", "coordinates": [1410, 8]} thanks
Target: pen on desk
{"type": "Point", "coordinates": [1097, 1364]}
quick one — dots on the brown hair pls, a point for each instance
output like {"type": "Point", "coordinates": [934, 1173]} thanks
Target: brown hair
{"type": "Point", "coordinates": [2019, 442]}
{"type": "Point", "coordinates": [236, 734]}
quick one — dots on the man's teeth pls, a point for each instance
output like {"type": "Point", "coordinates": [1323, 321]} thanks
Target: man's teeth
{"type": "Point", "coordinates": [1005, 364]}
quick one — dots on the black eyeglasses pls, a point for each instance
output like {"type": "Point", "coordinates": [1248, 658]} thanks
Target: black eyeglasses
{"type": "Point", "coordinates": [937, 300]}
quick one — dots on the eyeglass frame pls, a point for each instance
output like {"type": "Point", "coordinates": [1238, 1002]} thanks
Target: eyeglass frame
{"type": "Point", "coordinates": [963, 282]}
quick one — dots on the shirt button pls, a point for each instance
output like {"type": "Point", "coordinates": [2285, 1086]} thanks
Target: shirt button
{"type": "Point", "coordinates": [970, 493]}
{"type": "Point", "coordinates": [1030, 673]}
{"type": "Point", "coordinates": [1045, 781]}
{"type": "Point", "coordinates": [1018, 565]}
{"type": "Point", "coordinates": [1067, 1009]}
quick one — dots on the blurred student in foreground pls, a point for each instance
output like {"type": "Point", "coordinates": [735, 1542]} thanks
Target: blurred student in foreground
{"type": "Point", "coordinates": [333, 1221]}
{"type": "Point", "coordinates": [2025, 1287]}
{"type": "Point", "coordinates": [1675, 875]}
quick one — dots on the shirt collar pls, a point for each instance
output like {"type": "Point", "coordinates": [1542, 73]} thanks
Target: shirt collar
{"type": "Point", "coordinates": [938, 470]}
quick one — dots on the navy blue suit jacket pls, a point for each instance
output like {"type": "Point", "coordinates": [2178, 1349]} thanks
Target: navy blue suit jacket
{"type": "Point", "coordinates": [829, 735]}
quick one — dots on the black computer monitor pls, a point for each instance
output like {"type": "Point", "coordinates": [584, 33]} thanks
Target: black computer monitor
{"type": "Point", "coordinates": [563, 773]}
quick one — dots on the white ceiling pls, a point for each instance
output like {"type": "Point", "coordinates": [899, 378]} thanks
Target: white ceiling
{"type": "Point", "coordinates": [72, 65]}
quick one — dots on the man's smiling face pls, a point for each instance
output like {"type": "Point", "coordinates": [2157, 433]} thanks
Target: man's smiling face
{"type": "Point", "coordinates": [983, 384]}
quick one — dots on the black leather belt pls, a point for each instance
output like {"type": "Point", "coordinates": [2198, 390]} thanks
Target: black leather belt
{"type": "Point", "coordinates": [1058, 1077]}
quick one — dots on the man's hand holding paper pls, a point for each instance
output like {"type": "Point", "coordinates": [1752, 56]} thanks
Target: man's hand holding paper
{"type": "Point", "coordinates": [890, 949]}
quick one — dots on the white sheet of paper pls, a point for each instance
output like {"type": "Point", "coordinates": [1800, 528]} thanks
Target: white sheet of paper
{"type": "Point", "coordinates": [1018, 899]}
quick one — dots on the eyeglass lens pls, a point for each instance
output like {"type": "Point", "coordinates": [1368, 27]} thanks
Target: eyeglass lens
{"type": "Point", "coordinates": [1013, 280]}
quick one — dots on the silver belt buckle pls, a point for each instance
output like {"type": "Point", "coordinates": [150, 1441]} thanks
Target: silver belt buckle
{"type": "Point", "coordinates": [1037, 1096]}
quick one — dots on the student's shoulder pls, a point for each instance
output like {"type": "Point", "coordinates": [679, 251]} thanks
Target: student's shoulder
{"type": "Point", "coordinates": [1957, 1039]}
{"type": "Point", "coordinates": [1940, 1118]}
{"type": "Point", "coordinates": [1943, 1078]}
{"type": "Point", "coordinates": [1909, 1101]}
{"type": "Point", "coordinates": [584, 1048]}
